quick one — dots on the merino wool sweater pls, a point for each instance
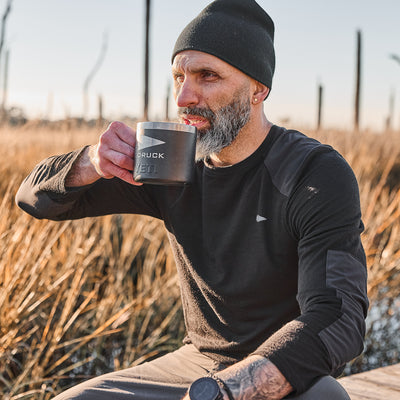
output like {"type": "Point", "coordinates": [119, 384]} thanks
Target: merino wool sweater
{"type": "Point", "coordinates": [268, 251]}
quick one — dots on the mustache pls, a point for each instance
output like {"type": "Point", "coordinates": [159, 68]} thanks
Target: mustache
{"type": "Point", "coordinates": [198, 111]}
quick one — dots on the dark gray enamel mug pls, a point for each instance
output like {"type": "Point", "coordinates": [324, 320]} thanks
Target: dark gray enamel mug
{"type": "Point", "coordinates": [165, 153]}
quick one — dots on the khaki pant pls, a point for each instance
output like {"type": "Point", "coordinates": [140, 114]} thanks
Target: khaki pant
{"type": "Point", "coordinates": [168, 378]}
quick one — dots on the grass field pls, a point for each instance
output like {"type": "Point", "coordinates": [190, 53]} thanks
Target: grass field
{"type": "Point", "coordinates": [81, 298]}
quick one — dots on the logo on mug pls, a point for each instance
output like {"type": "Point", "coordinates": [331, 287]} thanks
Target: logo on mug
{"type": "Point", "coordinates": [147, 141]}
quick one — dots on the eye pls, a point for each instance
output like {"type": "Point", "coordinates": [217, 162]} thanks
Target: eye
{"type": "Point", "coordinates": [209, 75]}
{"type": "Point", "coordinates": [179, 78]}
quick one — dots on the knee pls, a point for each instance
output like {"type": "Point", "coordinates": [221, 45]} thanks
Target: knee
{"type": "Point", "coordinates": [84, 391]}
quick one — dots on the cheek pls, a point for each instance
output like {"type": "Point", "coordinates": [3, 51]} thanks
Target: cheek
{"type": "Point", "coordinates": [215, 99]}
{"type": "Point", "coordinates": [216, 96]}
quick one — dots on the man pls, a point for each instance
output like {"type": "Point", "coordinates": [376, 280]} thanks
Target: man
{"type": "Point", "coordinates": [266, 239]}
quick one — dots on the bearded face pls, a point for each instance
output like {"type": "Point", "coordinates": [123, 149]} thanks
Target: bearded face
{"type": "Point", "coordinates": [224, 124]}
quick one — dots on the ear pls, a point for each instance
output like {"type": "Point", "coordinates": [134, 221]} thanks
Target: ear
{"type": "Point", "coordinates": [260, 93]}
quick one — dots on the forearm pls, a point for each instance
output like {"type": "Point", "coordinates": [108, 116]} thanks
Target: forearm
{"type": "Point", "coordinates": [255, 378]}
{"type": "Point", "coordinates": [42, 193]}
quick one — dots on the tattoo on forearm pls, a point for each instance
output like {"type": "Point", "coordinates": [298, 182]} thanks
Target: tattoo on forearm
{"type": "Point", "coordinates": [259, 380]}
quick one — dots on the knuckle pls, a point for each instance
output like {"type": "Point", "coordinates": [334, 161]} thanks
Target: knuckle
{"type": "Point", "coordinates": [103, 139]}
{"type": "Point", "coordinates": [123, 161]}
{"type": "Point", "coordinates": [115, 126]}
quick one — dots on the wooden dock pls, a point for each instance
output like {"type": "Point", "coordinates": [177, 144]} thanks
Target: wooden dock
{"type": "Point", "coordinates": [378, 384]}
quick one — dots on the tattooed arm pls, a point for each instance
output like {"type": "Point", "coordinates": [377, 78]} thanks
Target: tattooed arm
{"type": "Point", "coordinates": [254, 378]}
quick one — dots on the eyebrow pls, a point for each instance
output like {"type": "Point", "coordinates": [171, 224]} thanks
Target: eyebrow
{"type": "Point", "coordinates": [195, 70]}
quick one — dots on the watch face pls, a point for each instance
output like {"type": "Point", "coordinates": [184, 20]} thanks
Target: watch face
{"type": "Point", "coordinates": [204, 389]}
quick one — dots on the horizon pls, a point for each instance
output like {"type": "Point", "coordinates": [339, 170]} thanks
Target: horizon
{"type": "Point", "coordinates": [54, 45]}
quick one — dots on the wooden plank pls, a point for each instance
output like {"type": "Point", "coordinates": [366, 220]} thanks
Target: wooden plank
{"type": "Point", "coordinates": [378, 384]}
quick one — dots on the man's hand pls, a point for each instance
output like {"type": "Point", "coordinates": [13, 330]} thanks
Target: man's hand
{"type": "Point", "coordinates": [254, 378]}
{"type": "Point", "coordinates": [112, 156]}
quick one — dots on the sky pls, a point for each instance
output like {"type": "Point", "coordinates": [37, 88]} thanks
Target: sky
{"type": "Point", "coordinates": [54, 44]}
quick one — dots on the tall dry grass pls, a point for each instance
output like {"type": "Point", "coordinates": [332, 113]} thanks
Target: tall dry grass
{"type": "Point", "coordinates": [80, 298]}
{"type": "Point", "coordinates": [72, 292]}
{"type": "Point", "coordinates": [375, 159]}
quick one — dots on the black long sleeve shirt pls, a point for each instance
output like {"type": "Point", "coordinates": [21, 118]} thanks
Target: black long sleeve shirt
{"type": "Point", "coordinates": [268, 251]}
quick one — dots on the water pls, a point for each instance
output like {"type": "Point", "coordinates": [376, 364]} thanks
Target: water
{"type": "Point", "coordinates": [382, 342]}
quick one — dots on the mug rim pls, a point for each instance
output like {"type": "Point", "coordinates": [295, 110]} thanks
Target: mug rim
{"type": "Point", "coordinates": [172, 126]}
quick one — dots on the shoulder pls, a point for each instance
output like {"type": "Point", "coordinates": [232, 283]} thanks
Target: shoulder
{"type": "Point", "coordinates": [294, 155]}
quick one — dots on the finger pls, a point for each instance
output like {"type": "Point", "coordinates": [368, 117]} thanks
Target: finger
{"type": "Point", "coordinates": [123, 174]}
{"type": "Point", "coordinates": [119, 159]}
{"type": "Point", "coordinates": [110, 140]}
{"type": "Point", "coordinates": [124, 132]}
{"type": "Point", "coordinates": [114, 154]}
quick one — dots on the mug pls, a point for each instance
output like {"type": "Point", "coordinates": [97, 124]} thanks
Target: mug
{"type": "Point", "coordinates": [165, 153]}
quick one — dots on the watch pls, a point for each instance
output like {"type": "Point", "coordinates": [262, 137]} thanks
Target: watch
{"type": "Point", "coordinates": [205, 389]}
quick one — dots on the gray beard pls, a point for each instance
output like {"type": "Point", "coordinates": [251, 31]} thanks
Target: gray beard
{"type": "Point", "coordinates": [225, 125]}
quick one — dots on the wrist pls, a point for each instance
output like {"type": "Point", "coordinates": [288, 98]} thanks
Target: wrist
{"type": "Point", "coordinates": [82, 171]}
{"type": "Point", "coordinates": [205, 388]}
{"type": "Point", "coordinates": [223, 386]}
{"type": "Point", "coordinates": [92, 160]}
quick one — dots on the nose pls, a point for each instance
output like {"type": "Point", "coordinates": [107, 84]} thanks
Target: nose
{"type": "Point", "coordinates": [186, 94]}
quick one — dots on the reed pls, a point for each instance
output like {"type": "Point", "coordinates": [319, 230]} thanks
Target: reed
{"type": "Point", "coordinates": [80, 298]}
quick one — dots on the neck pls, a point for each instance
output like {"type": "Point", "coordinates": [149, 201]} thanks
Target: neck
{"type": "Point", "coordinates": [246, 143]}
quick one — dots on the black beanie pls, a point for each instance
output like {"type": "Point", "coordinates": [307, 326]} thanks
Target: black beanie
{"type": "Point", "coordinates": [239, 32]}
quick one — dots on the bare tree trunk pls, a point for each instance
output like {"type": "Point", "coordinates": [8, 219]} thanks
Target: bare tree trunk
{"type": "Point", "coordinates": [358, 84]}
{"type": "Point", "coordinates": [167, 102]}
{"type": "Point", "coordinates": [5, 85]}
{"type": "Point", "coordinates": [2, 36]}
{"type": "Point", "coordinates": [319, 114]}
{"type": "Point", "coordinates": [147, 63]}
{"type": "Point", "coordinates": [92, 73]}
{"type": "Point", "coordinates": [389, 120]}
{"type": "Point", "coordinates": [3, 24]}
{"type": "Point", "coordinates": [100, 118]}
{"type": "Point", "coordinates": [396, 58]}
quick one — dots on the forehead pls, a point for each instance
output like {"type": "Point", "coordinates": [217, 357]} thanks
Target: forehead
{"type": "Point", "coordinates": [193, 60]}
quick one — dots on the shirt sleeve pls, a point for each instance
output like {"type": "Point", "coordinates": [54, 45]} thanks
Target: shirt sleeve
{"type": "Point", "coordinates": [323, 214]}
{"type": "Point", "coordinates": [43, 193]}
